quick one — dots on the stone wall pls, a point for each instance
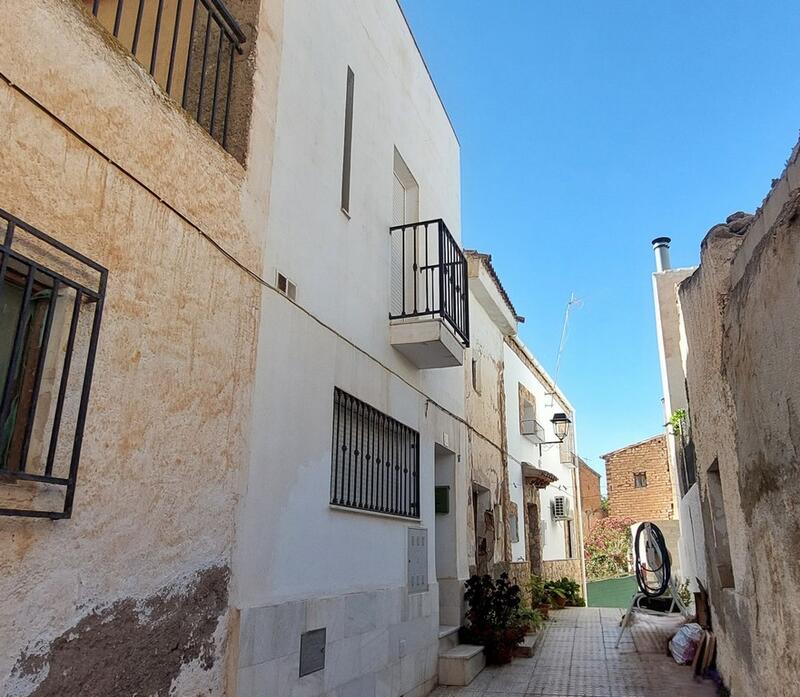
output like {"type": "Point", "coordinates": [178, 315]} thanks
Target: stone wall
{"type": "Point", "coordinates": [131, 594]}
{"type": "Point", "coordinates": [558, 568]}
{"type": "Point", "coordinates": [650, 502]}
{"type": "Point", "coordinates": [591, 499]}
{"type": "Point", "coordinates": [742, 321]}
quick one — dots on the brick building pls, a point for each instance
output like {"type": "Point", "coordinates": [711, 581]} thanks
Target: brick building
{"type": "Point", "coordinates": [591, 499]}
{"type": "Point", "coordinates": [639, 482]}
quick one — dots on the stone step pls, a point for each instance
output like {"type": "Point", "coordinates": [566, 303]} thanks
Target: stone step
{"type": "Point", "coordinates": [460, 664]}
{"type": "Point", "coordinates": [448, 638]}
{"type": "Point", "coordinates": [528, 645]}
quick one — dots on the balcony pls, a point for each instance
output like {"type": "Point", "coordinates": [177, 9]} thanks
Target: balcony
{"type": "Point", "coordinates": [532, 430]}
{"type": "Point", "coordinates": [429, 313]}
{"type": "Point", "coordinates": [189, 47]}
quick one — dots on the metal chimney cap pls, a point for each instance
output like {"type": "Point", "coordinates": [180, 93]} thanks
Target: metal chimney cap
{"type": "Point", "coordinates": [661, 242]}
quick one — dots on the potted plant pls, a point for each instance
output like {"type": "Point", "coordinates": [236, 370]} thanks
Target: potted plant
{"type": "Point", "coordinates": [493, 617]}
{"type": "Point", "coordinates": [556, 593]}
{"type": "Point", "coordinates": [572, 592]}
{"type": "Point", "coordinates": [530, 618]}
{"type": "Point", "coordinates": [540, 599]}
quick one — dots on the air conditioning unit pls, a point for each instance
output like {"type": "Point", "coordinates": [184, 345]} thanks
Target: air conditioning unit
{"type": "Point", "coordinates": [560, 508]}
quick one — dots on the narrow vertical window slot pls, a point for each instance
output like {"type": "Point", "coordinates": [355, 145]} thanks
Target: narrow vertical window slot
{"type": "Point", "coordinates": [348, 141]}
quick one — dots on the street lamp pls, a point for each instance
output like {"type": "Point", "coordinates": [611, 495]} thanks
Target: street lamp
{"type": "Point", "coordinates": [561, 424]}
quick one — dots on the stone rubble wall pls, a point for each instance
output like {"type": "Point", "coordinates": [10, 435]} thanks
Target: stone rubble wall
{"type": "Point", "coordinates": [742, 322]}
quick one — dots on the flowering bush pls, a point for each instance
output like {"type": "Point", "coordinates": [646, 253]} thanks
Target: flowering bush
{"type": "Point", "coordinates": [608, 548]}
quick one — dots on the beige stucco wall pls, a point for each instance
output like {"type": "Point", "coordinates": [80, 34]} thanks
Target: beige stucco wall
{"type": "Point", "coordinates": [742, 318]}
{"type": "Point", "coordinates": [94, 154]}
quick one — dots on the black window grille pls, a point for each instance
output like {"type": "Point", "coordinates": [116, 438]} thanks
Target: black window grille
{"type": "Point", "coordinates": [51, 303]}
{"type": "Point", "coordinates": [374, 461]}
{"type": "Point", "coordinates": [189, 48]}
{"type": "Point", "coordinates": [429, 276]}
{"type": "Point", "coordinates": [640, 480]}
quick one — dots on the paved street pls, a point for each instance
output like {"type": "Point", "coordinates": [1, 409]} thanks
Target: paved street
{"type": "Point", "coordinates": [575, 657]}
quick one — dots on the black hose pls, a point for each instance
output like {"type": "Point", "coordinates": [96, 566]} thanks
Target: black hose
{"type": "Point", "coordinates": [664, 570]}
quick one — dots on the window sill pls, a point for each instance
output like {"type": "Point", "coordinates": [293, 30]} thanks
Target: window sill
{"type": "Point", "coordinates": [374, 514]}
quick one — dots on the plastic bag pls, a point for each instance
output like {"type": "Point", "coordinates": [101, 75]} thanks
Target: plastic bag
{"type": "Point", "coordinates": [683, 645]}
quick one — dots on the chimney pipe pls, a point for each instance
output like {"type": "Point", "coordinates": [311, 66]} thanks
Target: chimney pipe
{"type": "Point", "coordinates": [661, 249]}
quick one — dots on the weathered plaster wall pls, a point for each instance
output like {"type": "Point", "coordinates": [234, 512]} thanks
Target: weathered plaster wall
{"type": "Point", "coordinates": [487, 463]}
{"type": "Point", "coordinates": [742, 319]}
{"type": "Point", "coordinates": [94, 154]}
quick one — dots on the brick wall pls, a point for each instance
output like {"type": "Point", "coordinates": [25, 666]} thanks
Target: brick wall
{"type": "Point", "coordinates": [650, 502]}
{"type": "Point", "coordinates": [590, 497]}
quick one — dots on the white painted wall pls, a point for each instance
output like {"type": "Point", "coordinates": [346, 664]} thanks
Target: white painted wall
{"type": "Point", "coordinates": [522, 449]}
{"type": "Point", "coordinates": [672, 354]}
{"type": "Point", "coordinates": [341, 265]}
{"type": "Point", "coordinates": [294, 551]}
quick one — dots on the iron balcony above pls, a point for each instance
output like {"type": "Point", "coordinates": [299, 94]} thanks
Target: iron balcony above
{"type": "Point", "coordinates": [532, 429]}
{"type": "Point", "coordinates": [429, 290]}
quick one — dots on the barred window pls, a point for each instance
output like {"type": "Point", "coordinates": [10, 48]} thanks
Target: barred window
{"type": "Point", "coordinates": [51, 300]}
{"type": "Point", "coordinates": [640, 480]}
{"type": "Point", "coordinates": [374, 459]}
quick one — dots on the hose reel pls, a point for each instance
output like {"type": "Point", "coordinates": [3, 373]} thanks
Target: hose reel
{"type": "Point", "coordinates": [652, 563]}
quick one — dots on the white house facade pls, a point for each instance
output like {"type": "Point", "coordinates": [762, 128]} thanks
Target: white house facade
{"type": "Point", "coordinates": [359, 394]}
{"type": "Point", "coordinates": [539, 461]}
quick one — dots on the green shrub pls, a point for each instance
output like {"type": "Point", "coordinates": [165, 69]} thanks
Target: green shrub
{"type": "Point", "coordinates": [530, 618]}
{"type": "Point", "coordinates": [535, 586]}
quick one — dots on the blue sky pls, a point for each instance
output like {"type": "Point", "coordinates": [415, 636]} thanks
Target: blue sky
{"type": "Point", "coordinates": [588, 128]}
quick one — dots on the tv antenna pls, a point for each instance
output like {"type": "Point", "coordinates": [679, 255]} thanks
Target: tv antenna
{"type": "Point", "coordinates": [573, 303]}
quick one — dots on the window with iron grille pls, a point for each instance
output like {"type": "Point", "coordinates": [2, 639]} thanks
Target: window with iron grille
{"type": "Point", "coordinates": [190, 47]}
{"type": "Point", "coordinates": [640, 480]}
{"type": "Point", "coordinates": [374, 460]}
{"type": "Point", "coordinates": [51, 301]}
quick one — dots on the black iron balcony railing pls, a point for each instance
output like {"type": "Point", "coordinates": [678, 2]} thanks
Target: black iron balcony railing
{"type": "Point", "coordinates": [188, 47]}
{"type": "Point", "coordinates": [429, 276]}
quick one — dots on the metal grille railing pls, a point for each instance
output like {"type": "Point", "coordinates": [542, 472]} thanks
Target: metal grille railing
{"type": "Point", "coordinates": [374, 460]}
{"type": "Point", "coordinates": [51, 303]}
{"type": "Point", "coordinates": [188, 47]}
{"type": "Point", "coordinates": [429, 276]}
{"type": "Point", "coordinates": [532, 429]}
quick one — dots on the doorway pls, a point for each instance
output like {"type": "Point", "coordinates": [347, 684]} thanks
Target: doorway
{"type": "Point", "coordinates": [446, 545]}
{"type": "Point", "coordinates": [534, 539]}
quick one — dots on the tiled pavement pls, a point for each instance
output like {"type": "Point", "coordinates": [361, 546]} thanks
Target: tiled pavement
{"type": "Point", "coordinates": [575, 657]}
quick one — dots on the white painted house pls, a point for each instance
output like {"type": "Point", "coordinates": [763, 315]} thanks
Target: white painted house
{"type": "Point", "coordinates": [355, 414]}
{"type": "Point", "coordinates": [522, 472]}
{"type": "Point", "coordinates": [538, 459]}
